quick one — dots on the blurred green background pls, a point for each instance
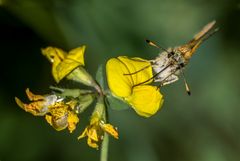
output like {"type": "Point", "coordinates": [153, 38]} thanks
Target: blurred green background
{"type": "Point", "coordinates": [202, 127]}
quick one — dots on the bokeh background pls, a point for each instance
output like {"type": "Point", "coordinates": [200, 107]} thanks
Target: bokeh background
{"type": "Point", "coordinates": [201, 127]}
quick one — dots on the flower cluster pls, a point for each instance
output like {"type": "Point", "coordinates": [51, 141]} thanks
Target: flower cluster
{"type": "Point", "coordinates": [58, 113]}
{"type": "Point", "coordinates": [63, 107]}
{"type": "Point", "coordinates": [128, 79]}
{"type": "Point", "coordinates": [97, 126]}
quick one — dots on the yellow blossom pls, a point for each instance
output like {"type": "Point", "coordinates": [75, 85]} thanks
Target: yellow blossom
{"type": "Point", "coordinates": [128, 78]}
{"type": "Point", "coordinates": [64, 63]}
{"type": "Point", "coordinates": [39, 104]}
{"type": "Point", "coordinates": [59, 114]}
{"type": "Point", "coordinates": [69, 64]}
{"type": "Point", "coordinates": [95, 131]}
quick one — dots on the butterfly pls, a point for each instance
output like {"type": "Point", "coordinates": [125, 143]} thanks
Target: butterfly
{"type": "Point", "coordinates": [169, 64]}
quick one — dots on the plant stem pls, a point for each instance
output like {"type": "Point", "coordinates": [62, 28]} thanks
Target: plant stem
{"type": "Point", "coordinates": [104, 148]}
{"type": "Point", "coordinates": [105, 142]}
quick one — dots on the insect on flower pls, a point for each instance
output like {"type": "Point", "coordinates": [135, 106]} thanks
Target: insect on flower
{"type": "Point", "coordinates": [170, 63]}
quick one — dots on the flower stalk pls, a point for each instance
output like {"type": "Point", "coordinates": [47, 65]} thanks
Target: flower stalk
{"type": "Point", "coordinates": [104, 148]}
{"type": "Point", "coordinates": [105, 142]}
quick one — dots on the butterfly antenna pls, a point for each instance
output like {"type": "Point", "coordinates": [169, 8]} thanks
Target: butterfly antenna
{"type": "Point", "coordinates": [155, 45]}
{"type": "Point", "coordinates": [187, 87]}
{"type": "Point", "coordinates": [185, 82]}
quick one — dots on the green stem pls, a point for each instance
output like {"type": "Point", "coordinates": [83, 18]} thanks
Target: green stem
{"type": "Point", "coordinates": [105, 142]}
{"type": "Point", "coordinates": [104, 148]}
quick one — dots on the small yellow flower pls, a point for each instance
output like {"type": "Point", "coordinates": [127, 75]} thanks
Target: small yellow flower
{"type": "Point", "coordinates": [59, 114]}
{"type": "Point", "coordinates": [69, 65]}
{"type": "Point", "coordinates": [39, 105]}
{"type": "Point", "coordinates": [125, 78]}
{"type": "Point", "coordinates": [62, 62]}
{"type": "Point", "coordinates": [95, 131]}
{"type": "Point", "coordinates": [98, 126]}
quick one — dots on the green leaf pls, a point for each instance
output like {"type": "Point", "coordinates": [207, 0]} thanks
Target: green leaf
{"type": "Point", "coordinates": [100, 76]}
{"type": "Point", "coordinates": [116, 104]}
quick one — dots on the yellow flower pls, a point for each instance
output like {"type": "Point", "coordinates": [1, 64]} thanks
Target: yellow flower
{"type": "Point", "coordinates": [69, 65]}
{"type": "Point", "coordinates": [39, 105]}
{"type": "Point", "coordinates": [95, 131]}
{"type": "Point", "coordinates": [59, 114]}
{"type": "Point", "coordinates": [98, 126]}
{"type": "Point", "coordinates": [62, 62]}
{"type": "Point", "coordinates": [128, 78]}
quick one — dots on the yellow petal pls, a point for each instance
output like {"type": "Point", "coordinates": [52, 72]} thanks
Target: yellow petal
{"type": "Point", "coordinates": [92, 143]}
{"type": "Point", "coordinates": [20, 103]}
{"type": "Point", "coordinates": [55, 72]}
{"type": "Point", "coordinates": [110, 130]}
{"type": "Point", "coordinates": [84, 133]}
{"type": "Point", "coordinates": [36, 108]}
{"type": "Point", "coordinates": [77, 54]}
{"type": "Point", "coordinates": [64, 63]}
{"type": "Point", "coordinates": [72, 121]}
{"type": "Point", "coordinates": [146, 100]}
{"type": "Point", "coordinates": [93, 133]}
{"type": "Point", "coordinates": [64, 68]}
{"type": "Point", "coordinates": [54, 55]}
{"type": "Point", "coordinates": [73, 59]}
{"type": "Point", "coordinates": [33, 97]}
{"type": "Point", "coordinates": [49, 119]}
{"type": "Point", "coordinates": [120, 83]}
{"type": "Point", "coordinates": [141, 68]}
